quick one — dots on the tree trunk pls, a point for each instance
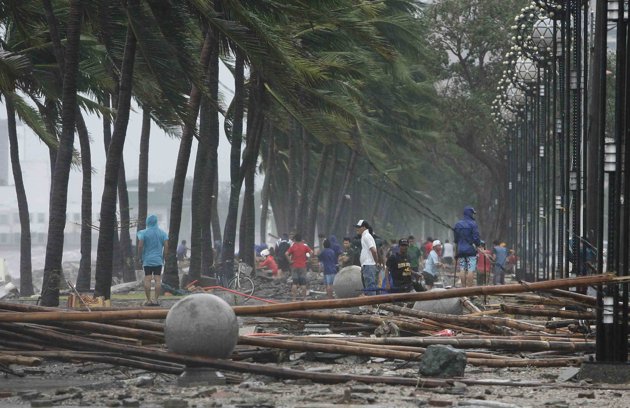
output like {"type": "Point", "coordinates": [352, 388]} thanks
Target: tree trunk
{"type": "Point", "coordinates": [104, 256]}
{"type": "Point", "coordinates": [171, 273]}
{"type": "Point", "coordinates": [291, 197]}
{"type": "Point", "coordinates": [59, 191]}
{"type": "Point", "coordinates": [84, 277]}
{"type": "Point", "coordinates": [332, 193]}
{"type": "Point", "coordinates": [313, 202]}
{"type": "Point", "coordinates": [201, 234]}
{"type": "Point", "coordinates": [126, 253]}
{"type": "Point", "coordinates": [26, 270]}
{"type": "Point", "coordinates": [342, 194]}
{"type": "Point", "coordinates": [216, 223]}
{"type": "Point", "coordinates": [302, 207]}
{"type": "Point", "coordinates": [117, 264]}
{"type": "Point", "coordinates": [210, 177]}
{"type": "Point", "coordinates": [264, 194]}
{"type": "Point", "coordinates": [255, 125]}
{"type": "Point", "coordinates": [229, 231]}
{"type": "Point", "coordinates": [143, 174]}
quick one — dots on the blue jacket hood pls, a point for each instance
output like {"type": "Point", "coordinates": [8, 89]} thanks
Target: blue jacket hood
{"type": "Point", "coordinates": [469, 212]}
{"type": "Point", "coordinates": [152, 221]}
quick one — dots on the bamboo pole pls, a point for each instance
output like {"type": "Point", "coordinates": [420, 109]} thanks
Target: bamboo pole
{"type": "Point", "coordinates": [484, 320]}
{"type": "Point", "coordinates": [490, 343]}
{"type": "Point", "coordinates": [319, 304]}
{"type": "Point", "coordinates": [590, 300]}
{"type": "Point", "coordinates": [17, 359]}
{"type": "Point", "coordinates": [527, 311]}
{"type": "Point", "coordinates": [330, 340]}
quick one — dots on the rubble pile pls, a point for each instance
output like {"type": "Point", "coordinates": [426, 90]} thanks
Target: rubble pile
{"type": "Point", "coordinates": [384, 328]}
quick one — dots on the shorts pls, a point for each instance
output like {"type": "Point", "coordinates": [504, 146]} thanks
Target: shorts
{"type": "Point", "coordinates": [468, 263]}
{"type": "Point", "coordinates": [298, 276]}
{"type": "Point", "coordinates": [329, 278]}
{"type": "Point", "coordinates": [153, 270]}
{"type": "Point", "coordinates": [448, 260]}
{"type": "Point", "coordinates": [428, 278]}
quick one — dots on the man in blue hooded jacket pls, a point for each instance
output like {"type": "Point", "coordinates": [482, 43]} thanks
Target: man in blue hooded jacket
{"type": "Point", "coordinates": [152, 245]}
{"type": "Point", "coordinates": [467, 240]}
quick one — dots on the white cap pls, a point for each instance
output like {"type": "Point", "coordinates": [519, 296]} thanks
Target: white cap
{"type": "Point", "coordinates": [264, 252]}
{"type": "Point", "coordinates": [436, 242]}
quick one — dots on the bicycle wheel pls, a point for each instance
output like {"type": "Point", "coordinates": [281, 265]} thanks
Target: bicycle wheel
{"type": "Point", "coordinates": [244, 285]}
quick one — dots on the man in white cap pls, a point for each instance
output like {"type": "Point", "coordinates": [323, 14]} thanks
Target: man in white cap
{"type": "Point", "coordinates": [369, 257]}
{"type": "Point", "coordinates": [431, 265]}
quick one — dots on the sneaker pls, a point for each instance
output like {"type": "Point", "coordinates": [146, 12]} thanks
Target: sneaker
{"type": "Point", "coordinates": [155, 303]}
{"type": "Point", "coordinates": [147, 303]}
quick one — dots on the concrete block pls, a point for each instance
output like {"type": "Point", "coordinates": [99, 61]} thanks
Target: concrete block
{"type": "Point", "coordinates": [201, 324]}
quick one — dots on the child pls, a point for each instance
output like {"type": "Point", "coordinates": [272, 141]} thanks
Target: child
{"type": "Point", "coordinates": [328, 258]}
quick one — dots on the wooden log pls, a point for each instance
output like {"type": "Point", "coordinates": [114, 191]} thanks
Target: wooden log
{"type": "Point", "coordinates": [19, 360]}
{"type": "Point", "coordinates": [401, 355]}
{"type": "Point", "coordinates": [329, 348]}
{"type": "Point", "coordinates": [252, 368]}
{"type": "Point", "coordinates": [329, 340]}
{"type": "Point", "coordinates": [468, 305]}
{"type": "Point", "coordinates": [320, 304]}
{"type": "Point", "coordinates": [528, 311]}
{"type": "Point", "coordinates": [589, 300]}
{"type": "Point", "coordinates": [415, 327]}
{"type": "Point", "coordinates": [481, 320]}
{"type": "Point", "coordinates": [114, 359]}
{"type": "Point", "coordinates": [220, 364]}
{"type": "Point", "coordinates": [494, 344]}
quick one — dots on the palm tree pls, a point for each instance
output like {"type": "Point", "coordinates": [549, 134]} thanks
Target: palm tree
{"type": "Point", "coordinates": [59, 189]}
{"type": "Point", "coordinates": [143, 171]}
{"type": "Point", "coordinates": [26, 276]}
{"type": "Point", "coordinates": [171, 273]}
{"type": "Point", "coordinates": [84, 277]}
{"type": "Point", "coordinates": [112, 167]}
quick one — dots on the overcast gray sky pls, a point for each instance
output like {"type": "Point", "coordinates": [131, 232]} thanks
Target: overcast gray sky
{"type": "Point", "coordinates": [162, 158]}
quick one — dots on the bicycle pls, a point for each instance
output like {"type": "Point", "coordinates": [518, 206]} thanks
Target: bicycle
{"type": "Point", "coordinates": [241, 282]}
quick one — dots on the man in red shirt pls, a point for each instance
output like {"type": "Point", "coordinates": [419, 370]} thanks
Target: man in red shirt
{"type": "Point", "coordinates": [298, 254]}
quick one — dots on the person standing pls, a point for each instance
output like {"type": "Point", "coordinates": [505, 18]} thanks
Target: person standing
{"type": "Point", "coordinates": [182, 251]}
{"type": "Point", "coordinates": [298, 255]}
{"type": "Point", "coordinates": [431, 265]}
{"type": "Point", "coordinates": [414, 254]}
{"type": "Point", "coordinates": [427, 247]}
{"type": "Point", "coordinates": [328, 260]}
{"type": "Point", "coordinates": [500, 258]}
{"type": "Point", "coordinates": [152, 245]}
{"type": "Point", "coordinates": [484, 264]}
{"type": "Point", "coordinates": [467, 240]}
{"type": "Point", "coordinates": [347, 253]}
{"type": "Point", "coordinates": [398, 266]}
{"type": "Point", "coordinates": [368, 258]}
{"type": "Point", "coordinates": [449, 253]}
{"type": "Point", "coordinates": [282, 245]}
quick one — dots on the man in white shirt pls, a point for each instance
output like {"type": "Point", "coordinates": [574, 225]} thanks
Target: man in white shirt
{"type": "Point", "coordinates": [368, 258]}
{"type": "Point", "coordinates": [430, 271]}
{"type": "Point", "coordinates": [448, 253]}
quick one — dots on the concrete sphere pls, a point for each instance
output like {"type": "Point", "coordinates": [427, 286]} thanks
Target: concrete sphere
{"type": "Point", "coordinates": [451, 306]}
{"type": "Point", "coordinates": [348, 282]}
{"type": "Point", "coordinates": [201, 325]}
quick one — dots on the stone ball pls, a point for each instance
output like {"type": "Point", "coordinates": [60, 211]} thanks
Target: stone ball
{"type": "Point", "coordinates": [203, 325]}
{"type": "Point", "coordinates": [451, 306]}
{"type": "Point", "coordinates": [348, 282]}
